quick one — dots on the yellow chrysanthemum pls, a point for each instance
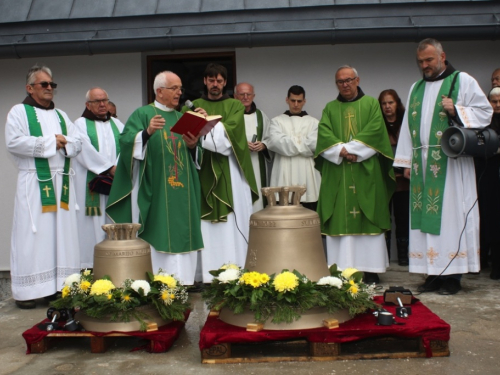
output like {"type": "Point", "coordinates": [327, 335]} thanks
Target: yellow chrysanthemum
{"type": "Point", "coordinates": [167, 280]}
{"type": "Point", "coordinates": [230, 266]}
{"type": "Point", "coordinates": [86, 272]}
{"type": "Point", "coordinates": [167, 297]}
{"type": "Point", "coordinates": [65, 291]}
{"type": "Point", "coordinates": [101, 287]}
{"type": "Point", "coordinates": [264, 278]}
{"type": "Point", "coordinates": [253, 278]}
{"type": "Point", "coordinates": [354, 288]}
{"type": "Point", "coordinates": [85, 285]}
{"type": "Point", "coordinates": [285, 281]}
{"type": "Point", "coordinates": [110, 296]}
{"type": "Point", "coordinates": [126, 298]}
{"type": "Point", "coordinates": [348, 272]}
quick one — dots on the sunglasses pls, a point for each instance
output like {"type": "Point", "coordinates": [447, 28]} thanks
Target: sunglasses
{"type": "Point", "coordinates": [45, 84]}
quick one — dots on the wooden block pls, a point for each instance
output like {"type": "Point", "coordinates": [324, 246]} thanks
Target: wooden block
{"type": "Point", "coordinates": [152, 326]}
{"type": "Point", "coordinates": [97, 344]}
{"type": "Point", "coordinates": [255, 327]}
{"type": "Point", "coordinates": [324, 349]}
{"type": "Point", "coordinates": [331, 323]}
{"type": "Point", "coordinates": [213, 313]}
{"type": "Point", "coordinates": [219, 351]}
{"type": "Point", "coordinates": [40, 346]}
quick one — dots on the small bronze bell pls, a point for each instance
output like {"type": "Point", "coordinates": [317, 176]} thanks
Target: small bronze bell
{"type": "Point", "coordinates": [286, 236]}
{"type": "Point", "coordinates": [122, 255]}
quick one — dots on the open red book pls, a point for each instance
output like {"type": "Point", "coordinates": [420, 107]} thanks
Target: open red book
{"type": "Point", "coordinates": [195, 123]}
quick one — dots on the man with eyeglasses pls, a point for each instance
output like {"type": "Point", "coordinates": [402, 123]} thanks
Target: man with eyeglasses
{"type": "Point", "coordinates": [354, 156]}
{"type": "Point", "coordinates": [156, 182]}
{"type": "Point", "coordinates": [227, 178]}
{"type": "Point", "coordinates": [100, 134]}
{"type": "Point", "coordinates": [256, 129]}
{"type": "Point", "coordinates": [442, 190]}
{"type": "Point", "coordinates": [292, 137]}
{"type": "Point", "coordinates": [44, 244]}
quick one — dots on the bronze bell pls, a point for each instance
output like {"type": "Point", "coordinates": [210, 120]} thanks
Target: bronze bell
{"type": "Point", "coordinates": [122, 255]}
{"type": "Point", "coordinates": [286, 236]}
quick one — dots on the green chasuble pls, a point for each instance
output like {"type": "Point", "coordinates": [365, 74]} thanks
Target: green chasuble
{"type": "Point", "coordinates": [354, 196]}
{"type": "Point", "coordinates": [169, 187]}
{"type": "Point", "coordinates": [215, 177]}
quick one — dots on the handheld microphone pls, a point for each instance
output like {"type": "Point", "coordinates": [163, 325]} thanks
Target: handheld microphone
{"type": "Point", "coordinates": [254, 138]}
{"type": "Point", "coordinates": [190, 105]}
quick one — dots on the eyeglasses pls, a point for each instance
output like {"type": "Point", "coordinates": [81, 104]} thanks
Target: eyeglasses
{"type": "Point", "coordinates": [97, 101]}
{"type": "Point", "coordinates": [45, 84]}
{"type": "Point", "coordinates": [341, 82]}
{"type": "Point", "coordinates": [246, 95]}
{"type": "Point", "coordinates": [175, 88]}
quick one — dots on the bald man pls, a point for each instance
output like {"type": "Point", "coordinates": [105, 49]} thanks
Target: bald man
{"type": "Point", "coordinates": [100, 134]}
{"type": "Point", "coordinates": [256, 128]}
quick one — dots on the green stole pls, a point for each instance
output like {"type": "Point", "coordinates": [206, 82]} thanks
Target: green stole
{"type": "Point", "coordinates": [215, 177]}
{"type": "Point", "coordinates": [44, 175]}
{"type": "Point", "coordinates": [426, 199]}
{"type": "Point", "coordinates": [92, 200]}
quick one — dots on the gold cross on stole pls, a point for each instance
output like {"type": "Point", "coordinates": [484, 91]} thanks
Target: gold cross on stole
{"type": "Point", "coordinates": [46, 189]}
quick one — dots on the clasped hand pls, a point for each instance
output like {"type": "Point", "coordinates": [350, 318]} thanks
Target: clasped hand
{"type": "Point", "coordinates": [347, 155]}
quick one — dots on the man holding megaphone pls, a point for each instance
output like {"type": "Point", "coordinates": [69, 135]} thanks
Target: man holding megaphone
{"type": "Point", "coordinates": [442, 189]}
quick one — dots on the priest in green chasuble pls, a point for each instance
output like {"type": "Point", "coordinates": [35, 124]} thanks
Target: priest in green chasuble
{"type": "Point", "coordinates": [354, 157]}
{"type": "Point", "coordinates": [156, 182]}
{"type": "Point", "coordinates": [227, 178]}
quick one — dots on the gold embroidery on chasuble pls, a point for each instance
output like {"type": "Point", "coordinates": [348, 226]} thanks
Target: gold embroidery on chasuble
{"type": "Point", "coordinates": [431, 255]}
{"type": "Point", "coordinates": [174, 146]}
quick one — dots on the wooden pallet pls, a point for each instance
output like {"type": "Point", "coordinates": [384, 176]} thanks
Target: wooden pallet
{"type": "Point", "coordinates": [304, 351]}
{"type": "Point", "coordinates": [98, 344]}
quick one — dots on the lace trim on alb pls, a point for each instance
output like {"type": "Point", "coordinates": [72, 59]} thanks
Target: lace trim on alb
{"type": "Point", "coordinates": [43, 277]}
{"type": "Point", "coordinates": [39, 150]}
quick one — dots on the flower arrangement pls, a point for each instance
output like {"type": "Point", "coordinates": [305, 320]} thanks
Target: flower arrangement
{"type": "Point", "coordinates": [285, 296]}
{"type": "Point", "coordinates": [102, 299]}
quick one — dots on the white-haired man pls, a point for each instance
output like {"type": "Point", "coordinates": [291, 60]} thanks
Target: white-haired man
{"type": "Point", "coordinates": [42, 141]}
{"type": "Point", "coordinates": [256, 128]}
{"type": "Point", "coordinates": [100, 135]}
{"type": "Point", "coordinates": [156, 182]}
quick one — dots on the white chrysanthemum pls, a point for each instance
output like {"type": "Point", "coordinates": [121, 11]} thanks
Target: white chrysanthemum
{"type": "Point", "coordinates": [229, 275]}
{"type": "Point", "coordinates": [74, 278]}
{"type": "Point", "coordinates": [330, 280]}
{"type": "Point", "coordinates": [141, 284]}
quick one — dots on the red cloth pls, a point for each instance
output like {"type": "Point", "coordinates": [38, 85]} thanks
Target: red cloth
{"type": "Point", "coordinates": [422, 323]}
{"type": "Point", "coordinates": [162, 339]}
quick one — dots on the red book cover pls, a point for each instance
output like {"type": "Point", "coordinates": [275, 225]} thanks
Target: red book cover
{"type": "Point", "coordinates": [195, 123]}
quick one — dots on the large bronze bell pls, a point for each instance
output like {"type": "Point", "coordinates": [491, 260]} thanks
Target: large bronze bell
{"type": "Point", "coordinates": [286, 236]}
{"type": "Point", "coordinates": [122, 255]}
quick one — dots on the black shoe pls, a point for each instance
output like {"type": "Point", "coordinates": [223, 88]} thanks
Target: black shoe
{"type": "Point", "coordinates": [495, 274]}
{"type": "Point", "coordinates": [402, 245]}
{"type": "Point", "coordinates": [371, 278]}
{"type": "Point", "coordinates": [431, 284]}
{"type": "Point", "coordinates": [25, 305]}
{"type": "Point", "coordinates": [450, 286]}
{"type": "Point", "coordinates": [53, 297]}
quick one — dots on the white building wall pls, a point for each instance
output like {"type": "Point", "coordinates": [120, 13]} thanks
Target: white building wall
{"type": "Point", "coordinates": [271, 70]}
